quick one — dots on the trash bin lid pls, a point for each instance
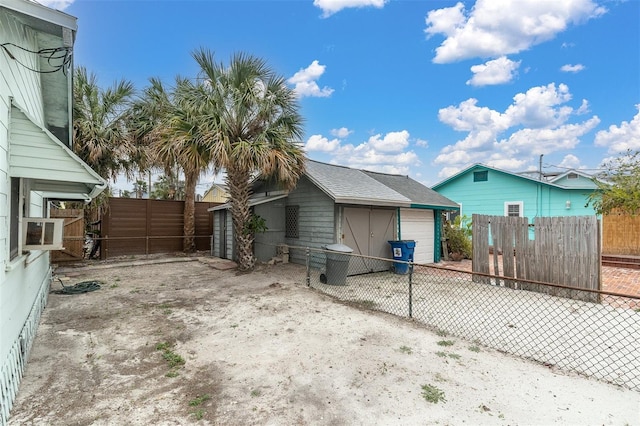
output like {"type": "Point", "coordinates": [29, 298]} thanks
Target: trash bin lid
{"type": "Point", "coordinates": [339, 247]}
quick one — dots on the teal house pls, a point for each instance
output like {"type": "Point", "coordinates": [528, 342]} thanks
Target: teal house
{"type": "Point", "coordinates": [481, 189]}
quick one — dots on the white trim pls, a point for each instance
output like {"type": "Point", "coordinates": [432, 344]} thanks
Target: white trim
{"type": "Point", "coordinates": [520, 205]}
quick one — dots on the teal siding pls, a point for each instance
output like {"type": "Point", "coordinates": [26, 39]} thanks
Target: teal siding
{"type": "Point", "coordinates": [539, 199]}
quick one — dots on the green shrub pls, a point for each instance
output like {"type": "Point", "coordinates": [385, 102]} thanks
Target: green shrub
{"type": "Point", "coordinates": [458, 236]}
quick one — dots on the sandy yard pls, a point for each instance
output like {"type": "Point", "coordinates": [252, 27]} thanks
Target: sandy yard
{"type": "Point", "coordinates": [186, 343]}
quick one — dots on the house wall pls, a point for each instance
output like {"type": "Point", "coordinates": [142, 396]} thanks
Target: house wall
{"type": "Point", "coordinates": [579, 182]}
{"type": "Point", "coordinates": [538, 199]}
{"type": "Point", "coordinates": [216, 195]}
{"type": "Point", "coordinates": [24, 280]}
{"type": "Point", "coordinates": [316, 219]}
{"type": "Point", "coordinates": [265, 246]}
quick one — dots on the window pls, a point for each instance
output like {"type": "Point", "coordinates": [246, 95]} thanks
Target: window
{"type": "Point", "coordinates": [42, 234]}
{"type": "Point", "coordinates": [481, 176]}
{"type": "Point", "coordinates": [513, 208]}
{"type": "Point", "coordinates": [14, 220]}
{"type": "Point", "coordinates": [291, 226]}
{"type": "Point", "coordinates": [572, 176]}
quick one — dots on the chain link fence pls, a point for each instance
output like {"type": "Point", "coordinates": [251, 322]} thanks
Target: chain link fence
{"type": "Point", "coordinates": [594, 333]}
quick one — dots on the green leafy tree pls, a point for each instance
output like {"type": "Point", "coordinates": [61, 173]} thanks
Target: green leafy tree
{"type": "Point", "coordinates": [100, 125]}
{"type": "Point", "coordinates": [251, 121]}
{"type": "Point", "coordinates": [618, 186]}
{"type": "Point", "coordinates": [168, 188]}
{"type": "Point", "coordinates": [140, 188]}
{"type": "Point", "coordinates": [168, 124]}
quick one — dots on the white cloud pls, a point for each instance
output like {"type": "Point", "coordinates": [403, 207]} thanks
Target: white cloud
{"type": "Point", "coordinates": [497, 71]}
{"type": "Point", "coordinates": [546, 140]}
{"type": "Point", "coordinates": [320, 143]}
{"type": "Point", "coordinates": [392, 141]}
{"type": "Point", "coordinates": [619, 139]}
{"type": "Point", "coordinates": [379, 153]}
{"type": "Point", "coordinates": [329, 7]}
{"type": "Point", "coordinates": [572, 68]}
{"type": "Point", "coordinates": [537, 122]}
{"type": "Point", "coordinates": [570, 161]}
{"type": "Point", "coordinates": [341, 133]}
{"type": "Point", "coordinates": [56, 4]}
{"type": "Point", "coordinates": [422, 143]}
{"type": "Point", "coordinates": [305, 81]}
{"type": "Point", "coordinates": [538, 107]}
{"type": "Point", "coordinates": [496, 28]}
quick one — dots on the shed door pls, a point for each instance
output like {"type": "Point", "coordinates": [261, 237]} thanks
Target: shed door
{"type": "Point", "coordinates": [367, 231]}
{"type": "Point", "coordinates": [416, 224]}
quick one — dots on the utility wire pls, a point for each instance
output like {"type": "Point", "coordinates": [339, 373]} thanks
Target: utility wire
{"type": "Point", "coordinates": [58, 58]}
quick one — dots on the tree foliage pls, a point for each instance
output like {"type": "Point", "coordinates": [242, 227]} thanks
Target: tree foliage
{"type": "Point", "coordinates": [100, 125]}
{"type": "Point", "coordinates": [618, 186]}
{"type": "Point", "coordinates": [250, 118]}
{"type": "Point", "coordinates": [168, 188]}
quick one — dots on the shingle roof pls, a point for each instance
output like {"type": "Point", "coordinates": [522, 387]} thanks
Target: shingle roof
{"type": "Point", "coordinates": [346, 185]}
{"type": "Point", "coordinates": [414, 190]}
{"type": "Point", "coordinates": [352, 186]}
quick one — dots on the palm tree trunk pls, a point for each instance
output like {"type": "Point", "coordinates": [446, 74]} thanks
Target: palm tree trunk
{"type": "Point", "coordinates": [240, 191]}
{"type": "Point", "coordinates": [189, 243]}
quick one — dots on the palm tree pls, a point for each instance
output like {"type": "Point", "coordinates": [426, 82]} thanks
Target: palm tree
{"type": "Point", "coordinates": [250, 119]}
{"type": "Point", "coordinates": [99, 125]}
{"type": "Point", "coordinates": [167, 124]}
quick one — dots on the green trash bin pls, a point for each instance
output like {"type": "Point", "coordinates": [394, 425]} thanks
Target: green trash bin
{"type": "Point", "coordinates": [337, 265]}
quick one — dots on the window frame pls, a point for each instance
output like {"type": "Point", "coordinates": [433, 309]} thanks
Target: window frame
{"type": "Point", "coordinates": [292, 221]}
{"type": "Point", "coordinates": [520, 205]}
{"type": "Point", "coordinates": [481, 176]}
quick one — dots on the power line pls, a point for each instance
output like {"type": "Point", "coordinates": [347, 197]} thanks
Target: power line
{"type": "Point", "coordinates": [58, 58]}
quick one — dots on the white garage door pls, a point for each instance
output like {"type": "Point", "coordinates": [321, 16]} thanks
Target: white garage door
{"type": "Point", "coordinates": [417, 224]}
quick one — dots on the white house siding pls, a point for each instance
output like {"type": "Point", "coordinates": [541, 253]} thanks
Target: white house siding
{"type": "Point", "coordinates": [417, 224]}
{"type": "Point", "coordinates": [24, 281]}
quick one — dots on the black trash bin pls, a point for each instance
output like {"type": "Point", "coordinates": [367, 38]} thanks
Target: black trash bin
{"type": "Point", "coordinates": [337, 265]}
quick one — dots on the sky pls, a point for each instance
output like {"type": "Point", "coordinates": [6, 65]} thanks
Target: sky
{"type": "Point", "coordinates": [423, 88]}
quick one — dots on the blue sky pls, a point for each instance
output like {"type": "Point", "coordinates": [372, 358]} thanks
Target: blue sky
{"type": "Point", "coordinates": [417, 87]}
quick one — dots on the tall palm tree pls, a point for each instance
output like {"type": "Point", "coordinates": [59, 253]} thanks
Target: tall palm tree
{"type": "Point", "coordinates": [250, 120]}
{"type": "Point", "coordinates": [167, 124]}
{"type": "Point", "coordinates": [99, 125]}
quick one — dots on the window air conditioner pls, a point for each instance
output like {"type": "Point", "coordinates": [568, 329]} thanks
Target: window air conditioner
{"type": "Point", "coordinates": [42, 234]}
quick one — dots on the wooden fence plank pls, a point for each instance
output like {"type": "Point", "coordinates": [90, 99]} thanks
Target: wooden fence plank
{"type": "Point", "coordinates": [565, 251]}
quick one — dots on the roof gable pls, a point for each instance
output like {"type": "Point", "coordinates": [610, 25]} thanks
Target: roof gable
{"type": "Point", "coordinates": [524, 178]}
{"type": "Point", "coordinates": [351, 186]}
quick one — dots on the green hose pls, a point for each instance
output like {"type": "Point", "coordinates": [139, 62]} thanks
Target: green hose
{"type": "Point", "coordinates": [81, 287]}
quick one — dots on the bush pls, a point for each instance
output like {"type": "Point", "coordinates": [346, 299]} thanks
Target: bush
{"type": "Point", "coordinates": [458, 237]}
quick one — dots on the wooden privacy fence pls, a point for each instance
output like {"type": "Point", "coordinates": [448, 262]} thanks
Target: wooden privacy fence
{"type": "Point", "coordinates": [565, 251]}
{"type": "Point", "coordinates": [141, 226]}
{"type": "Point", "coordinates": [621, 234]}
{"type": "Point", "coordinates": [73, 240]}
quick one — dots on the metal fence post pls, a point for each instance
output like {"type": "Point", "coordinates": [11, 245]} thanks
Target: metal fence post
{"type": "Point", "coordinates": [308, 266]}
{"type": "Point", "coordinates": [411, 290]}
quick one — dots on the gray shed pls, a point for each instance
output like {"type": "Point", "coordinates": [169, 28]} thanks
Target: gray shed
{"type": "Point", "coordinates": [336, 204]}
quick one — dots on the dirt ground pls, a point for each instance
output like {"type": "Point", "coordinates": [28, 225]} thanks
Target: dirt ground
{"type": "Point", "coordinates": [179, 341]}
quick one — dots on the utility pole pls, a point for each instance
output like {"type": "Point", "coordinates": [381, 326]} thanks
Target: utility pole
{"type": "Point", "coordinates": [540, 167]}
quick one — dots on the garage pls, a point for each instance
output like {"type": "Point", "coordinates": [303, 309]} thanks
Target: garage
{"type": "Point", "coordinates": [368, 231]}
{"type": "Point", "coordinates": [418, 225]}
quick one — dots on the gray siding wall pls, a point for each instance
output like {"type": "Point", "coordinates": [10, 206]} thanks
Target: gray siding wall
{"type": "Point", "coordinates": [316, 219]}
{"type": "Point", "coordinates": [274, 215]}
